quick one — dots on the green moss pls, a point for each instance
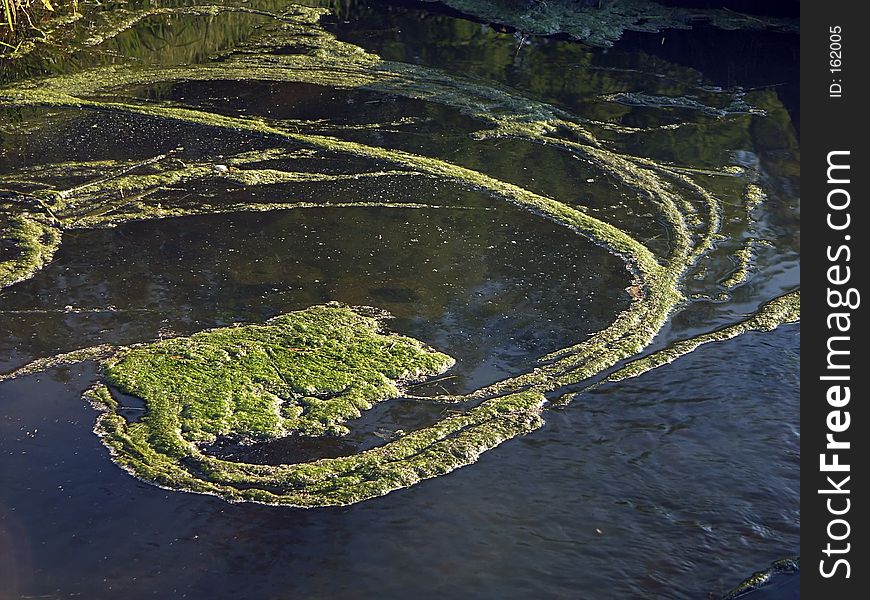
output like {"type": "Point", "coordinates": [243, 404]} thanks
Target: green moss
{"type": "Point", "coordinates": [306, 372]}
{"type": "Point", "coordinates": [27, 243]}
{"type": "Point", "coordinates": [100, 398]}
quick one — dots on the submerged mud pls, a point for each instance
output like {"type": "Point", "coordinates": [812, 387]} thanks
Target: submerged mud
{"type": "Point", "coordinates": [248, 381]}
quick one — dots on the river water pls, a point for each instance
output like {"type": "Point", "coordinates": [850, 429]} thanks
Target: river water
{"type": "Point", "coordinates": [677, 483]}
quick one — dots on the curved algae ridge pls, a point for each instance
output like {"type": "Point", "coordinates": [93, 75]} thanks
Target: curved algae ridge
{"type": "Point", "coordinates": [453, 442]}
{"type": "Point", "coordinates": [164, 448]}
{"type": "Point", "coordinates": [779, 311]}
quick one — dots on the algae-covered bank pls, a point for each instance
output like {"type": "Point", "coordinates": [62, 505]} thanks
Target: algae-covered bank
{"type": "Point", "coordinates": [512, 307]}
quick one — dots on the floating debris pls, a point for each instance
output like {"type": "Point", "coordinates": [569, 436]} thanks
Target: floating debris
{"type": "Point", "coordinates": [761, 578]}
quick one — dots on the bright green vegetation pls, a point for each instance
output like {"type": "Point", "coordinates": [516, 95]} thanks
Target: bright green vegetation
{"type": "Point", "coordinates": [306, 372]}
{"type": "Point", "coordinates": [27, 243]}
{"type": "Point", "coordinates": [312, 372]}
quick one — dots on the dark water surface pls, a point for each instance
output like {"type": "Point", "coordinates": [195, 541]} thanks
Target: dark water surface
{"type": "Point", "coordinates": [676, 484]}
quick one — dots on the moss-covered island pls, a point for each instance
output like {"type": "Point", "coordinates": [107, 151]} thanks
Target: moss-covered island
{"type": "Point", "coordinates": [305, 373]}
{"type": "Point", "coordinates": [301, 373]}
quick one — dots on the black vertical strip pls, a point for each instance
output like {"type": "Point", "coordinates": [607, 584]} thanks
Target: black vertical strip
{"type": "Point", "coordinates": [834, 266]}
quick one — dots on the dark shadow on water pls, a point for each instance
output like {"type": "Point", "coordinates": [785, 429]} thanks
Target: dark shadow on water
{"type": "Point", "coordinates": [287, 450]}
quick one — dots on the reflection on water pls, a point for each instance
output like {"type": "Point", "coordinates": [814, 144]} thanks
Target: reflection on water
{"type": "Point", "coordinates": [677, 484]}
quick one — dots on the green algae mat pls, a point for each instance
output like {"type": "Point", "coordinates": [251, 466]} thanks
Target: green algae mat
{"type": "Point", "coordinates": [314, 371]}
{"type": "Point", "coordinates": [305, 372]}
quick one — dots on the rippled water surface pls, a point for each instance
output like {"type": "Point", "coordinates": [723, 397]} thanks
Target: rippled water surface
{"type": "Point", "coordinates": [677, 483]}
